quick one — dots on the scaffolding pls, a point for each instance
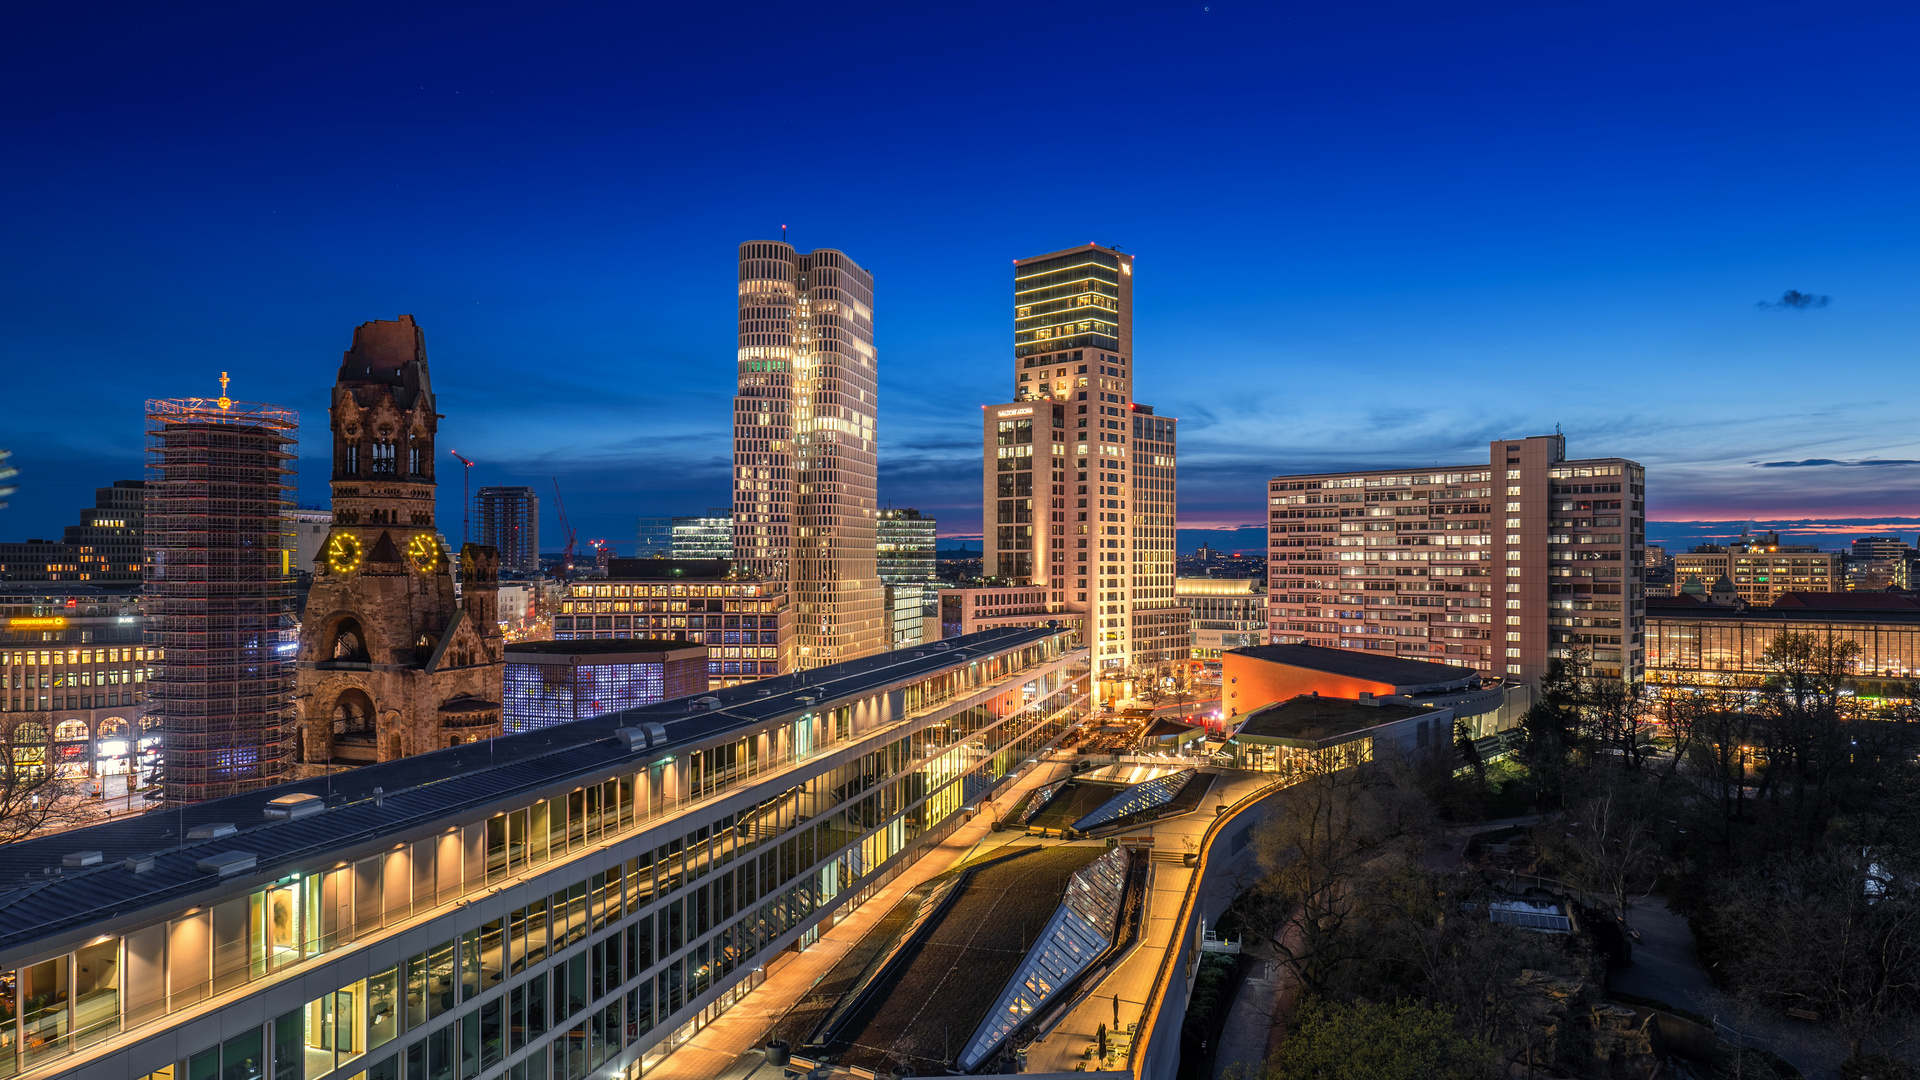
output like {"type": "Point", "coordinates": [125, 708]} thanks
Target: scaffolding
{"type": "Point", "coordinates": [219, 592]}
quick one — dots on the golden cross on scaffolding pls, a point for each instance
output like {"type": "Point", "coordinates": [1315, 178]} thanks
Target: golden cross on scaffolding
{"type": "Point", "coordinates": [225, 402]}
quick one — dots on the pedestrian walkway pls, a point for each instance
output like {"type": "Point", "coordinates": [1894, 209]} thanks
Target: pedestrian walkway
{"type": "Point", "coordinates": [1133, 978]}
{"type": "Point", "coordinates": [1250, 1023]}
{"type": "Point", "coordinates": [716, 1049]}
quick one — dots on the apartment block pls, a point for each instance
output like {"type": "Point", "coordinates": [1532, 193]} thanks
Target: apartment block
{"type": "Point", "coordinates": [509, 520]}
{"type": "Point", "coordinates": [1500, 566]}
{"type": "Point", "coordinates": [1079, 478]}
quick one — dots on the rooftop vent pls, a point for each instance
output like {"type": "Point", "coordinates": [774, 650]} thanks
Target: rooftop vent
{"type": "Point", "coordinates": [140, 864]}
{"type": "Point", "coordinates": [707, 702]}
{"type": "Point", "coordinates": [212, 831]}
{"type": "Point", "coordinates": [293, 806]}
{"type": "Point", "coordinates": [228, 863]}
{"type": "Point", "coordinates": [80, 858]}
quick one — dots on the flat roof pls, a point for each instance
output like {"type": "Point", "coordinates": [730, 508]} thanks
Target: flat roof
{"type": "Point", "coordinates": [605, 650]}
{"type": "Point", "coordinates": [1316, 719]}
{"type": "Point", "coordinates": [1358, 665]}
{"type": "Point", "coordinates": [419, 792]}
{"type": "Point", "coordinates": [1816, 616]}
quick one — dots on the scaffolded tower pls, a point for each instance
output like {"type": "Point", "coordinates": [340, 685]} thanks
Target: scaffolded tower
{"type": "Point", "coordinates": [219, 591]}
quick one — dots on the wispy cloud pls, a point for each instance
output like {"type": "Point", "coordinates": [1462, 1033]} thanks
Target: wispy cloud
{"type": "Point", "coordinates": [1812, 462]}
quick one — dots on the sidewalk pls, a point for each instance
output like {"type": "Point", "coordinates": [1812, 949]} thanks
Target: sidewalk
{"type": "Point", "coordinates": [1252, 1021]}
{"type": "Point", "coordinates": [714, 1051]}
{"type": "Point", "coordinates": [1136, 972]}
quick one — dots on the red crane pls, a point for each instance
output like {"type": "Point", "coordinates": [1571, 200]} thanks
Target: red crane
{"type": "Point", "coordinates": [566, 530]}
{"type": "Point", "coordinates": [466, 496]}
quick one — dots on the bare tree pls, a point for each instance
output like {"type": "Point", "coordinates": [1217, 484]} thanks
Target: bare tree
{"type": "Point", "coordinates": [1613, 839]}
{"type": "Point", "coordinates": [1336, 829]}
{"type": "Point", "coordinates": [1835, 933]}
{"type": "Point", "coordinates": [32, 798]}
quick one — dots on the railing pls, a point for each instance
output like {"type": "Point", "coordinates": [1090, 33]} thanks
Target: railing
{"type": "Point", "coordinates": [1176, 947]}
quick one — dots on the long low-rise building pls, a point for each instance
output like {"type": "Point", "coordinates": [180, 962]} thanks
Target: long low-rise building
{"type": "Point", "coordinates": [570, 901]}
{"type": "Point", "coordinates": [1702, 645]}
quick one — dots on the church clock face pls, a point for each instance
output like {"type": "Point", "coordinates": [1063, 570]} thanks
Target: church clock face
{"type": "Point", "coordinates": [424, 552]}
{"type": "Point", "coordinates": [343, 553]}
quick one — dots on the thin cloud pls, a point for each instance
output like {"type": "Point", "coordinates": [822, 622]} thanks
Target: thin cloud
{"type": "Point", "coordinates": [1795, 300]}
{"type": "Point", "coordinates": [1811, 462]}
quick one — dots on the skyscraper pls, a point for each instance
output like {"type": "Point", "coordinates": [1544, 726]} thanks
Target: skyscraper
{"type": "Point", "coordinates": [804, 476]}
{"type": "Point", "coordinates": [1079, 478]}
{"type": "Point", "coordinates": [510, 523]}
{"type": "Point", "coordinates": [219, 591]}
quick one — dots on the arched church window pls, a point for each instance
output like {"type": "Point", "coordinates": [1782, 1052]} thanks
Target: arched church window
{"type": "Point", "coordinates": [349, 642]}
{"type": "Point", "coordinates": [353, 714]}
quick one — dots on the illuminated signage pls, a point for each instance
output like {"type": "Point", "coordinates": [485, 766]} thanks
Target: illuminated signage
{"type": "Point", "coordinates": [50, 622]}
{"type": "Point", "coordinates": [1028, 411]}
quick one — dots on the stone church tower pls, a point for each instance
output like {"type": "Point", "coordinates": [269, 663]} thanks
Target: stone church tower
{"type": "Point", "coordinates": [391, 663]}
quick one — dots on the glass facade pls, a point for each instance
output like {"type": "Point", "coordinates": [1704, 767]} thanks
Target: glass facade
{"type": "Point", "coordinates": [539, 695]}
{"type": "Point", "coordinates": [1686, 649]}
{"type": "Point", "coordinates": [579, 927]}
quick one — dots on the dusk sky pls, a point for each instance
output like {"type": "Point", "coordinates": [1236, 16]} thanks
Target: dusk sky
{"type": "Point", "coordinates": [1367, 234]}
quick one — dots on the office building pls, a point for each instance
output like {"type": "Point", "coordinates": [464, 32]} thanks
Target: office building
{"type": "Point", "coordinates": [1499, 566]}
{"type": "Point", "coordinates": [1760, 568]}
{"type": "Point", "coordinates": [571, 902]}
{"type": "Point", "coordinates": [804, 451]}
{"type": "Point", "coordinates": [392, 661]}
{"type": "Point", "coordinates": [905, 544]}
{"type": "Point", "coordinates": [709, 536]}
{"type": "Point", "coordinates": [558, 682]}
{"type": "Point", "coordinates": [509, 520]}
{"type": "Point", "coordinates": [73, 664]}
{"type": "Point", "coordinates": [747, 625]}
{"type": "Point", "coordinates": [105, 547]}
{"type": "Point", "coordinates": [1880, 547]}
{"type": "Point", "coordinates": [1078, 479]}
{"type": "Point", "coordinates": [218, 592]}
{"type": "Point", "coordinates": [1226, 613]}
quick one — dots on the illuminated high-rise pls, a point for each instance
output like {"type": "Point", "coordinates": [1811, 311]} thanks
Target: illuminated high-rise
{"type": "Point", "coordinates": [1078, 479]}
{"type": "Point", "coordinates": [804, 476]}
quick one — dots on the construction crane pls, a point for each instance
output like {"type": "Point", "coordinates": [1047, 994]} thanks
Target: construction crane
{"type": "Point", "coordinates": [466, 497]}
{"type": "Point", "coordinates": [566, 530]}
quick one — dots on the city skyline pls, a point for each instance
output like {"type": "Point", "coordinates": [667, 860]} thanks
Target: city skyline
{"type": "Point", "coordinates": [233, 245]}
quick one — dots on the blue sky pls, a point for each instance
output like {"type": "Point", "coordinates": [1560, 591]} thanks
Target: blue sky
{"type": "Point", "coordinates": [1368, 234]}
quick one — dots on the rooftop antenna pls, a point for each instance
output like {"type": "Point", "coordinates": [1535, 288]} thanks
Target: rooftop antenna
{"type": "Point", "coordinates": [783, 234]}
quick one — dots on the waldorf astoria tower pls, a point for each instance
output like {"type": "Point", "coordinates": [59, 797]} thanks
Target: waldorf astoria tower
{"type": "Point", "coordinates": [1078, 478]}
{"type": "Point", "coordinates": [804, 476]}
